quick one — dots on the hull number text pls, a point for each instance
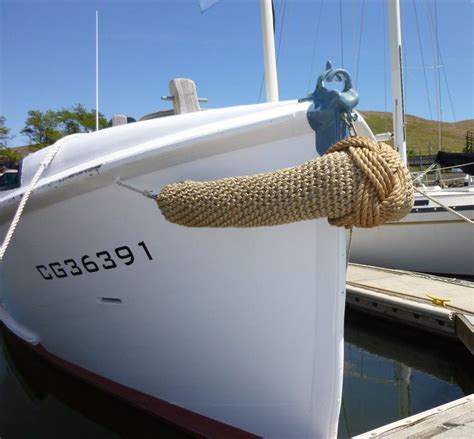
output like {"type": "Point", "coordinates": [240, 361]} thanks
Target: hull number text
{"type": "Point", "coordinates": [102, 260]}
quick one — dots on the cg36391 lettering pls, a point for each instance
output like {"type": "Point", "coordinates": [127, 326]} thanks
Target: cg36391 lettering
{"type": "Point", "coordinates": [102, 260]}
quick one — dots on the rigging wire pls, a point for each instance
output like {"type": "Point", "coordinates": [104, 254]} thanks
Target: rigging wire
{"type": "Point", "coordinates": [282, 24]}
{"type": "Point", "coordinates": [261, 88]}
{"type": "Point", "coordinates": [385, 50]}
{"type": "Point", "coordinates": [443, 68]}
{"type": "Point", "coordinates": [435, 27]}
{"type": "Point", "coordinates": [360, 41]}
{"type": "Point", "coordinates": [353, 14]}
{"type": "Point", "coordinates": [340, 27]}
{"type": "Point", "coordinates": [444, 206]}
{"type": "Point", "coordinates": [405, 79]}
{"type": "Point", "coordinates": [436, 64]}
{"type": "Point", "coordinates": [422, 59]}
{"type": "Point", "coordinates": [440, 64]}
{"type": "Point", "coordinates": [313, 57]}
{"type": "Point", "coordinates": [444, 168]}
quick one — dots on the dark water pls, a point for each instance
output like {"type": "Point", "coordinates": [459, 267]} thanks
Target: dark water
{"type": "Point", "coordinates": [390, 373]}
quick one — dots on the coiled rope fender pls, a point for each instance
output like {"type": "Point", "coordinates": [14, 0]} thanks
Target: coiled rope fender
{"type": "Point", "coordinates": [358, 182]}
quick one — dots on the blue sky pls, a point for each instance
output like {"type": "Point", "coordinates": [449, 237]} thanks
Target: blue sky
{"type": "Point", "coordinates": [47, 53]}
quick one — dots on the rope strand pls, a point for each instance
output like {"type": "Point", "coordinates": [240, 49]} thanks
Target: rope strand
{"type": "Point", "coordinates": [26, 195]}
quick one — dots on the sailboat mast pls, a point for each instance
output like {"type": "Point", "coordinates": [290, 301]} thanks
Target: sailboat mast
{"type": "Point", "coordinates": [398, 106]}
{"type": "Point", "coordinates": [271, 81]}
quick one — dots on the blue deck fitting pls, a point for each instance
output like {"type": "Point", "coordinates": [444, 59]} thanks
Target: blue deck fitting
{"type": "Point", "coordinates": [331, 110]}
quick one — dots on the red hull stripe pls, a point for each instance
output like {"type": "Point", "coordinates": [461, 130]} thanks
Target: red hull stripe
{"type": "Point", "coordinates": [183, 419]}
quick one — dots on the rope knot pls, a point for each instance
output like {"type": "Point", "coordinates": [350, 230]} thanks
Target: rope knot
{"type": "Point", "coordinates": [358, 182]}
{"type": "Point", "coordinates": [383, 189]}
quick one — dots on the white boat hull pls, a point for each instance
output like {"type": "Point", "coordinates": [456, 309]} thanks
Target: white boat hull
{"type": "Point", "coordinates": [429, 239]}
{"type": "Point", "coordinates": [241, 325]}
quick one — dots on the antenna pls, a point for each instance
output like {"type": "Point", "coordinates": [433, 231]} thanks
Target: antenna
{"type": "Point", "coordinates": [97, 70]}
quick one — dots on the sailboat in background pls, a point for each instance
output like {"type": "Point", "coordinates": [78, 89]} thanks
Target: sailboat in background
{"type": "Point", "coordinates": [438, 235]}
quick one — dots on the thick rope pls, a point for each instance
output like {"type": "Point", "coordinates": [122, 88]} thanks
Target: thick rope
{"type": "Point", "coordinates": [26, 195]}
{"type": "Point", "coordinates": [358, 182]}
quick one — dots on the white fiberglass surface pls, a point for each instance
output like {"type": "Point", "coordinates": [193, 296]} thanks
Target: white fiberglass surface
{"type": "Point", "coordinates": [429, 239]}
{"type": "Point", "coordinates": [426, 246]}
{"type": "Point", "coordinates": [242, 325]}
{"type": "Point", "coordinates": [92, 149]}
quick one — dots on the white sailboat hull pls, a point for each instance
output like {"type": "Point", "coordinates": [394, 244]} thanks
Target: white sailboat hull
{"type": "Point", "coordinates": [241, 325]}
{"type": "Point", "coordinates": [429, 239]}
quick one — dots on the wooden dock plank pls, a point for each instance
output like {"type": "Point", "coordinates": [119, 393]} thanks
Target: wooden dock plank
{"type": "Point", "coordinates": [464, 328]}
{"type": "Point", "coordinates": [404, 296]}
{"type": "Point", "coordinates": [414, 286]}
{"type": "Point", "coordinates": [452, 420]}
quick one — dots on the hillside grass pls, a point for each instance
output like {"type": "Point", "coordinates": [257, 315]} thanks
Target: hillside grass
{"type": "Point", "coordinates": [421, 132]}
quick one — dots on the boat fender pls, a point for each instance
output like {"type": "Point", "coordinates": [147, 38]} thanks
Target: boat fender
{"type": "Point", "coordinates": [358, 182]}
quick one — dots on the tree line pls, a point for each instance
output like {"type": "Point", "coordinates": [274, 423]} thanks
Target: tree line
{"type": "Point", "coordinates": [8, 157]}
{"type": "Point", "coordinates": [43, 128]}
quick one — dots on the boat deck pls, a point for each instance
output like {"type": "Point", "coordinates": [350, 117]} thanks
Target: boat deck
{"type": "Point", "coordinates": [452, 420]}
{"type": "Point", "coordinates": [440, 305]}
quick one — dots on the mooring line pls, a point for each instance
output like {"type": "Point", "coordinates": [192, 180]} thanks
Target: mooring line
{"type": "Point", "coordinates": [26, 195]}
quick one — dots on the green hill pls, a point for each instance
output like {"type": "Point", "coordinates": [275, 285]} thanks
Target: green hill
{"type": "Point", "coordinates": [422, 132]}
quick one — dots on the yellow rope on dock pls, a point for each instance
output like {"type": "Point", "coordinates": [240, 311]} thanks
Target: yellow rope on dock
{"type": "Point", "coordinates": [358, 182]}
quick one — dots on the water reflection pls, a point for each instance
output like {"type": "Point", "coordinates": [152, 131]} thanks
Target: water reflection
{"type": "Point", "coordinates": [25, 412]}
{"type": "Point", "coordinates": [39, 401]}
{"type": "Point", "coordinates": [390, 372]}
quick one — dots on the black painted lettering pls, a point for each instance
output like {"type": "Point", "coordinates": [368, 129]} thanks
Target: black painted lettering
{"type": "Point", "coordinates": [125, 254]}
{"type": "Point", "coordinates": [143, 245]}
{"type": "Point", "coordinates": [75, 270]}
{"type": "Point", "coordinates": [44, 272]}
{"type": "Point", "coordinates": [57, 270]}
{"type": "Point", "coordinates": [90, 266]}
{"type": "Point", "coordinates": [105, 255]}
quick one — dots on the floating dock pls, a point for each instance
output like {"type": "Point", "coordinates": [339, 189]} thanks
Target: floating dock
{"type": "Point", "coordinates": [452, 420]}
{"type": "Point", "coordinates": [439, 305]}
